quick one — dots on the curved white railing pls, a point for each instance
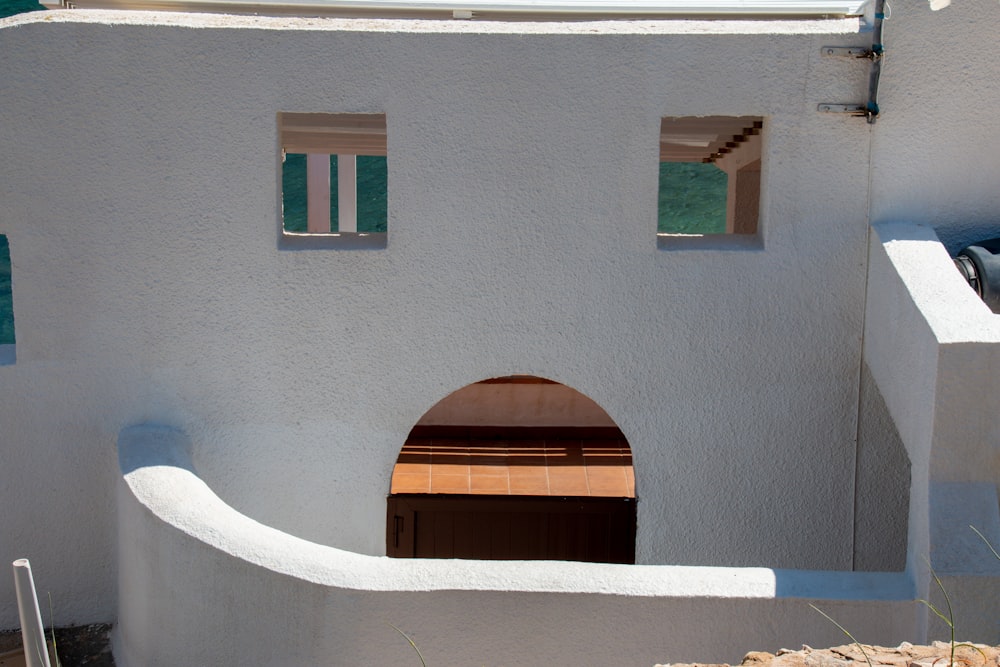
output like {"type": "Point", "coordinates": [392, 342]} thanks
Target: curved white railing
{"type": "Point", "coordinates": [201, 583]}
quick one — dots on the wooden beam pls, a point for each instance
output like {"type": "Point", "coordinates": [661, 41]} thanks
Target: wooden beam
{"type": "Point", "coordinates": [696, 139]}
{"type": "Point", "coordinates": [333, 144]}
{"type": "Point", "coordinates": [357, 134]}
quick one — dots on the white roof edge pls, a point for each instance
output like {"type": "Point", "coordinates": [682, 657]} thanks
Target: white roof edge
{"type": "Point", "coordinates": [472, 8]}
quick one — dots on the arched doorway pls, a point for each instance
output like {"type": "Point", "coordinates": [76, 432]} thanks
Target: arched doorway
{"type": "Point", "coordinates": [516, 467]}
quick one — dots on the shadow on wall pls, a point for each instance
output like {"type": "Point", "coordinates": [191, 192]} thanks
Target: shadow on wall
{"type": "Point", "coordinates": [882, 485]}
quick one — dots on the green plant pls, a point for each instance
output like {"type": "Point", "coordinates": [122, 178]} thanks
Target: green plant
{"type": "Point", "coordinates": [846, 632]}
{"type": "Point", "coordinates": [949, 620]}
{"type": "Point", "coordinates": [948, 616]}
{"type": "Point", "coordinates": [983, 538]}
{"type": "Point", "coordinates": [52, 627]}
{"type": "Point", "coordinates": [407, 638]}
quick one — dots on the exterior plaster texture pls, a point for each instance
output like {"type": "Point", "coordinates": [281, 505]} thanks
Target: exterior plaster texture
{"type": "Point", "coordinates": [920, 329]}
{"type": "Point", "coordinates": [198, 559]}
{"type": "Point", "coordinates": [941, 372]}
{"type": "Point", "coordinates": [143, 215]}
{"type": "Point", "coordinates": [141, 201]}
{"type": "Point", "coordinates": [882, 496]}
{"type": "Point", "coordinates": [934, 145]}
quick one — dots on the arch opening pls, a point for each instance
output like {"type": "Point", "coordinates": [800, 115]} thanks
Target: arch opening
{"type": "Point", "coordinates": [516, 467]}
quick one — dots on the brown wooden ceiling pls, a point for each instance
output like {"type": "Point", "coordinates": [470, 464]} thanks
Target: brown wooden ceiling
{"type": "Point", "coordinates": [350, 133]}
{"type": "Point", "coordinates": [704, 138]}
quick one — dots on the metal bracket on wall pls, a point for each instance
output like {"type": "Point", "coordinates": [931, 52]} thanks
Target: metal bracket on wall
{"type": "Point", "coordinates": [857, 53]}
{"type": "Point", "coordinates": [847, 52]}
{"type": "Point", "coordinates": [875, 54]}
{"type": "Point", "coordinates": [852, 109]}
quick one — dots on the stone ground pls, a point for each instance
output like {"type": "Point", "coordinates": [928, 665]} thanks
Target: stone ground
{"type": "Point", "coordinates": [937, 654]}
{"type": "Point", "coordinates": [89, 646]}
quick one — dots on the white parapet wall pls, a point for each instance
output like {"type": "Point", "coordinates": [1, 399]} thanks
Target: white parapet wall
{"type": "Point", "coordinates": [933, 348]}
{"type": "Point", "coordinates": [200, 583]}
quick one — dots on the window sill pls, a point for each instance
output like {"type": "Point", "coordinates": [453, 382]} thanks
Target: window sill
{"type": "Point", "coordinates": [747, 242]}
{"type": "Point", "coordinates": [339, 241]}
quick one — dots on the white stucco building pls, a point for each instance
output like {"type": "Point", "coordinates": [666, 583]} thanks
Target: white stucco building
{"type": "Point", "coordinates": [201, 415]}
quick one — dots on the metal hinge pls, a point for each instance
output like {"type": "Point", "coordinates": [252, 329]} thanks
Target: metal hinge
{"type": "Point", "coordinates": [849, 52]}
{"type": "Point", "coordinates": [852, 109]}
{"type": "Point", "coordinates": [874, 54]}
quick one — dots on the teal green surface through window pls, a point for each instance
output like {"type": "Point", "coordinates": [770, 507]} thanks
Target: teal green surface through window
{"type": "Point", "coordinates": [372, 184]}
{"type": "Point", "coordinates": [293, 192]}
{"type": "Point", "coordinates": [373, 177]}
{"type": "Point", "coordinates": [6, 295]}
{"type": "Point", "coordinates": [11, 7]}
{"type": "Point", "coordinates": [692, 198]}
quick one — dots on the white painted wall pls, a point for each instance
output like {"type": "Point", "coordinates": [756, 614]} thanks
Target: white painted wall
{"type": "Point", "coordinates": [935, 146]}
{"type": "Point", "coordinates": [140, 197]}
{"type": "Point", "coordinates": [929, 342]}
{"type": "Point", "coordinates": [522, 240]}
{"type": "Point", "coordinates": [933, 348]}
{"type": "Point", "coordinates": [196, 559]}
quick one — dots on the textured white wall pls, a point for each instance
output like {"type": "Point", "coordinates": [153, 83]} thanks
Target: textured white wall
{"type": "Point", "coordinates": [933, 348]}
{"type": "Point", "coordinates": [140, 190]}
{"type": "Point", "coordinates": [936, 347]}
{"type": "Point", "coordinates": [901, 352]}
{"type": "Point", "coordinates": [187, 560]}
{"type": "Point", "coordinates": [936, 143]}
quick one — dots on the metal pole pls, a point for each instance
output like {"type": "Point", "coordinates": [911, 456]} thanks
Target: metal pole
{"type": "Point", "coordinates": [36, 653]}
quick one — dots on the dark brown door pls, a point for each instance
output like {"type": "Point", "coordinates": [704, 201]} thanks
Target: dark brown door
{"type": "Point", "coordinates": [511, 528]}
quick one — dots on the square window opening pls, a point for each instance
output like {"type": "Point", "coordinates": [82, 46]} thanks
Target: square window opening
{"type": "Point", "coordinates": [334, 177]}
{"type": "Point", "coordinates": [709, 177]}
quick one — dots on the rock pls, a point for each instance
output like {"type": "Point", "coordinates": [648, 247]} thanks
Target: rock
{"type": "Point", "coordinates": [851, 655]}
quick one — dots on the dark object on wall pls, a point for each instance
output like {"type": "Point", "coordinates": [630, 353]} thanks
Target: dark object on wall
{"type": "Point", "coordinates": [980, 265]}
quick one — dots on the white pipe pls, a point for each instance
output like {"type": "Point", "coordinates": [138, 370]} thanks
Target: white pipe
{"type": "Point", "coordinates": [36, 653]}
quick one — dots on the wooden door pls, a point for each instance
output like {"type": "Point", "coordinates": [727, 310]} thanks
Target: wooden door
{"type": "Point", "coordinates": [511, 527]}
